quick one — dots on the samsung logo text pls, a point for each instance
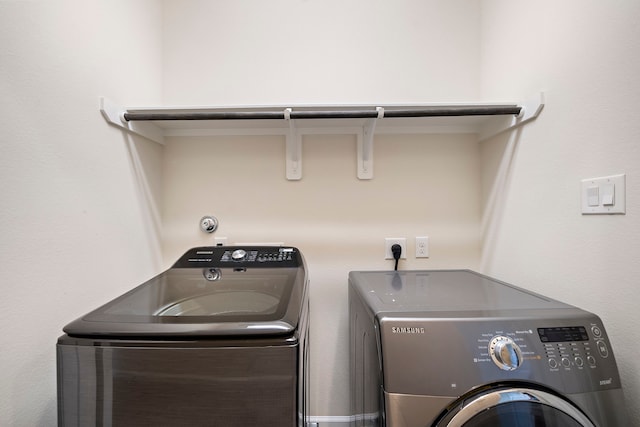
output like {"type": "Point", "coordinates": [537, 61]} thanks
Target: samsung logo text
{"type": "Point", "coordinates": [399, 330]}
{"type": "Point", "coordinates": [606, 382]}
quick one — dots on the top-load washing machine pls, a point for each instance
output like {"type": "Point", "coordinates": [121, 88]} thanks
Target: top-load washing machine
{"type": "Point", "coordinates": [218, 339]}
{"type": "Point", "coordinates": [457, 348]}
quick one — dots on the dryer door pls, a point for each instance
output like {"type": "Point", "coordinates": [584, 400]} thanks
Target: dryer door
{"type": "Point", "coordinates": [516, 407]}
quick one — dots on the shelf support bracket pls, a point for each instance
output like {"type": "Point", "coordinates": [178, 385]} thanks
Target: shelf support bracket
{"type": "Point", "coordinates": [114, 115]}
{"type": "Point", "coordinates": [365, 146]}
{"type": "Point", "coordinates": [293, 149]}
{"type": "Point", "coordinates": [531, 109]}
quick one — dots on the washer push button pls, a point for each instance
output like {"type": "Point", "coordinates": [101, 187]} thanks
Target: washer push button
{"type": "Point", "coordinates": [602, 349]}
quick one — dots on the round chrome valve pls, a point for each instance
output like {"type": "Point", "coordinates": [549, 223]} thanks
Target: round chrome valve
{"type": "Point", "coordinates": [208, 224]}
{"type": "Point", "coordinates": [505, 353]}
{"type": "Point", "coordinates": [239, 254]}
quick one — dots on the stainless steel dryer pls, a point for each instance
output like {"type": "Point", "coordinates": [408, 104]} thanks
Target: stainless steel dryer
{"type": "Point", "coordinates": [456, 348]}
{"type": "Point", "coordinates": [219, 339]}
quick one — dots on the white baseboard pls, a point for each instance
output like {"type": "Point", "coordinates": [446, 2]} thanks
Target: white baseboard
{"type": "Point", "coordinates": [332, 421]}
{"type": "Point", "coordinates": [341, 420]}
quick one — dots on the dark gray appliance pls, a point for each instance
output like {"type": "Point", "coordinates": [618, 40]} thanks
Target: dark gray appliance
{"type": "Point", "coordinates": [219, 339]}
{"type": "Point", "coordinates": [457, 348]}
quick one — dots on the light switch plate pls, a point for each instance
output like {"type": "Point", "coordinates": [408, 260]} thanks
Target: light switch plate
{"type": "Point", "coordinates": [605, 195]}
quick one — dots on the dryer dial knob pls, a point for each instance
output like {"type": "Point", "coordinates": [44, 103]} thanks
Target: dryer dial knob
{"type": "Point", "coordinates": [239, 254]}
{"type": "Point", "coordinates": [505, 353]}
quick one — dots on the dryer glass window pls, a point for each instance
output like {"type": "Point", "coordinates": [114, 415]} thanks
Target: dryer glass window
{"type": "Point", "coordinates": [522, 414]}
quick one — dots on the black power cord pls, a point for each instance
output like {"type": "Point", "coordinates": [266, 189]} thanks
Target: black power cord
{"type": "Point", "coordinates": [396, 250]}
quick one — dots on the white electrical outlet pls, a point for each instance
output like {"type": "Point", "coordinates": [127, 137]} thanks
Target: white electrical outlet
{"type": "Point", "coordinates": [390, 241]}
{"type": "Point", "coordinates": [422, 247]}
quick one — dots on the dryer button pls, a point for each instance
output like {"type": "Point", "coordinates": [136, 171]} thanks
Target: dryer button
{"type": "Point", "coordinates": [602, 349]}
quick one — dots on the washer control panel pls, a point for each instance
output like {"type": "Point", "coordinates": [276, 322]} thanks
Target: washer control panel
{"type": "Point", "coordinates": [253, 255]}
{"type": "Point", "coordinates": [241, 257]}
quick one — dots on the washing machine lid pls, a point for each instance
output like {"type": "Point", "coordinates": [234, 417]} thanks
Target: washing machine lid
{"type": "Point", "coordinates": [210, 291]}
{"type": "Point", "coordinates": [459, 293]}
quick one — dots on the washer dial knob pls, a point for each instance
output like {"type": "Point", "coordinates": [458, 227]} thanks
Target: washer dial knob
{"type": "Point", "coordinates": [505, 353]}
{"type": "Point", "coordinates": [239, 254]}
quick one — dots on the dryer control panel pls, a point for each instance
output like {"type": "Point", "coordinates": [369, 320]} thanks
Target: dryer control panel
{"type": "Point", "coordinates": [570, 347]}
{"type": "Point", "coordinates": [562, 347]}
{"type": "Point", "coordinates": [572, 355]}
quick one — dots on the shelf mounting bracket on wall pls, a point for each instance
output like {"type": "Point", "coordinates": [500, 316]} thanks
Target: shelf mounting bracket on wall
{"type": "Point", "coordinates": [293, 149]}
{"type": "Point", "coordinates": [114, 115]}
{"type": "Point", "coordinates": [365, 146]}
{"type": "Point", "coordinates": [531, 109]}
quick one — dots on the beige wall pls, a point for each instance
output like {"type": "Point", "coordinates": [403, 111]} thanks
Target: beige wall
{"type": "Point", "coordinates": [320, 52]}
{"type": "Point", "coordinates": [584, 55]}
{"type": "Point", "coordinates": [88, 212]}
{"type": "Point", "coordinates": [76, 227]}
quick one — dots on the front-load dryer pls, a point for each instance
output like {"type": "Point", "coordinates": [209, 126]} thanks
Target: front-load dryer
{"type": "Point", "coordinates": [457, 348]}
{"type": "Point", "coordinates": [218, 339]}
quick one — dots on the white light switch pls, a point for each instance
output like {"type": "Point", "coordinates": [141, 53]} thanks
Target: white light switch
{"type": "Point", "coordinates": [608, 193]}
{"type": "Point", "coordinates": [604, 195]}
{"type": "Point", "coordinates": [593, 196]}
